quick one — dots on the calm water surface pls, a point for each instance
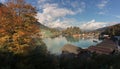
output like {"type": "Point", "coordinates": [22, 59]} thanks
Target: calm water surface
{"type": "Point", "coordinates": [54, 45]}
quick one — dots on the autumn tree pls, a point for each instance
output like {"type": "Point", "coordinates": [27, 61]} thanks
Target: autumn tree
{"type": "Point", "coordinates": [17, 26]}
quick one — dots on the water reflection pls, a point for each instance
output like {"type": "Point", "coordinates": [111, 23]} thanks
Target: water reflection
{"type": "Point", "coordinates": [54, 45]}
{"type": "Point", "coordinates": [72, 39]}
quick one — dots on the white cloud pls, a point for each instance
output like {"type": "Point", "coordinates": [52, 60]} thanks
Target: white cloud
{"type": "Point", "coordinates": [54, 10]}
{"type": "Point", "coordinates": [42, 0]}
{"type": "Point", "coordinates": [80, 7]}
{"type": "Point", "coordinates": [102, 4]}
{"type": "Point", "coordinates": [54, 15]}
{"type": "Point", "coordinates": [92, 25]}
{"type": "Point", "coordinates": [101, 12]}
{"type": "Point", "coordinates": [2, 1]}
{"type": "Point", "coordinates": [59, 24]}
{"type": "Point", "coordinates": [118, 17]}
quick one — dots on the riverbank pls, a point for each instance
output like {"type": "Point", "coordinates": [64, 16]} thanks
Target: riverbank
{"type": "Point", "coordinates": [105, 47]}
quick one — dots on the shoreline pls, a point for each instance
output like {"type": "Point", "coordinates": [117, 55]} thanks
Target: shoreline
{"type": "Point", "coordinates": [106, 47]}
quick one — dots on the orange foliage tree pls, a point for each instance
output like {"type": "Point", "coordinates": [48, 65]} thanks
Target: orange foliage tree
{"type": "Point", "coordinates": [17, 26]}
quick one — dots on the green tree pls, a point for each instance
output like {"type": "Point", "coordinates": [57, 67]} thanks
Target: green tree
{"type": "Point", "coordinates": [72, 30]}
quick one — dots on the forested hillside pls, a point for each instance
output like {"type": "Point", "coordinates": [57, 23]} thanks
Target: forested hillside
{"type": "Point", "coordinates": [113, 30]}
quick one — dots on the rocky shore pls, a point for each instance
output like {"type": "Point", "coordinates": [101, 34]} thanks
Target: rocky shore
{"type": "Point", "coordinates": [106, 47]}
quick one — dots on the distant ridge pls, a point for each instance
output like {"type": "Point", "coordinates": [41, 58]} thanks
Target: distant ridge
{"type": "Point", "coordinates": [104, 28]}
{"type": "Point", "coordinates": [101, 29]}
{"type": "Point", "coordinates": [42, 26]}
{"type": "Point", "coordinates": [59, 28]}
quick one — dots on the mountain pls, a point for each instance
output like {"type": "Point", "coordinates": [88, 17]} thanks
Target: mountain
{"type": "Point", "coordinates": [113, 30]}
{"type": "Point", "coordinates": [42, 26]}
{"type": "Point", "coordinates": [48, 28]}
{"type": "Point", "coordinates": [48, 32]}
{"type": "Point", "coordinates": [105, 28]}
{"type": "Point", "coordinates": [101, 29]}
{"type": "Point", "coordinates": [59, 28]}
{"type": "Point", "coordinates": [96, 26]}
{"type": "Point", "coordinates": [92, 25]}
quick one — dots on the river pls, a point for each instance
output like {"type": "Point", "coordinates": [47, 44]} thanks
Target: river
{"type": "Point", "coordinates": [54, 45]}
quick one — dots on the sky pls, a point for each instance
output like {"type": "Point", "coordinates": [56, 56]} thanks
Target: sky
{"type": "Point", "coordinates": [86, 14]}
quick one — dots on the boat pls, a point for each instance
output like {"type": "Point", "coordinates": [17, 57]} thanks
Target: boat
{"type": "Point", "coordinates": [95, 41]}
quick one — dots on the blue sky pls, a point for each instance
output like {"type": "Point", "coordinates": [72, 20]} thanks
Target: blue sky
{"type": "Point", "coordinates": [81, 13]}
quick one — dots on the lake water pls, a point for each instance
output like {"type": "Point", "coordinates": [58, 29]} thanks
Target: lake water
{"type": "Point", "coordinates": [54, 45]}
